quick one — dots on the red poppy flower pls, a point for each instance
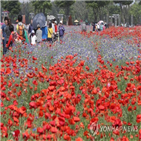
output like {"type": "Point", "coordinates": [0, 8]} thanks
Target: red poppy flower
{"type": "Point", "coordinates": [16, 135]}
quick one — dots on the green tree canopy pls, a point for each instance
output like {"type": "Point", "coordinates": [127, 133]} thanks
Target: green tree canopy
{"type": "Point", "coordinates": [136, 11]}
{"type": "Point", "coordinates": [80, 10]}
{"type": "Point", "coordinates": [66, 6]}
{"type": "Point", "coordinates": [126, 2]}
{"type": "Point", "coordinates": [41, 6]}
{"type": "Point", "coordinates": [96, 5]}
{"type": "Point", "coordinates": [12, 6]}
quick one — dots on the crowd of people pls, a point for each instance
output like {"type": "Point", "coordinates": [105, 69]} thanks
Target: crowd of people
{"type": "Point", "coordinates": [49, 32]}
{"type": "Point", "coordinates": [99, 26]}
{"type": "Point", "coordinates": [21, 33]}
{"type": "Point", "coordinates": [96, 26]}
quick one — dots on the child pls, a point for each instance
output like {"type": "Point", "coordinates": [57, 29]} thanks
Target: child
{"type": "Point", "coordinates": [33, 38]}
{"type": "Point", "coordinates": [39, 34]}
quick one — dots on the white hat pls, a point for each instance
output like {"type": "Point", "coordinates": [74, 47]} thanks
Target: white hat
{"type": "Point", "coordinates": [61, 22]}
{"type": "Point", "coordinates": [38, 25]}
{"type": "Point", "coordinates": [33, 31]}
{"type": "Point", "coordinates": [56, 22]}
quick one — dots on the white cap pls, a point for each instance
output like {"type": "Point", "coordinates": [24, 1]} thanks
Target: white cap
{"type": "Point", "coordinates": [33, 31]}
{"type": "Point", "coordinates": [56, 22]}
{"type": "Point", "coordinates": [61, 22]}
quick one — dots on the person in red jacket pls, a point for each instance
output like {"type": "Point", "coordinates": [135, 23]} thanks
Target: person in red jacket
{"type": "Point", "coordinates": [11, 39]}
{"type": "Point", "coordinates": [56, 29]}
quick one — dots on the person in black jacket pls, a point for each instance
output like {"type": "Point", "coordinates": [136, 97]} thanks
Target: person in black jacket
{"type": "Point", "coordinates": [94, 26]}
{"type": "Point", "coordinates": [30, 27]}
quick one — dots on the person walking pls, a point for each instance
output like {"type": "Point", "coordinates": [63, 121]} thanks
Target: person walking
{"type": "Point", "coordinates": [94, 26]}
{"type": "Point", "coordinates": [7, 31]}
{"type": "Point", "coordinates": [33, 38]}
{"type": "Point", "coordinates": [56, 29]}
{"type": "Point", "coordinates": [84, 28]}
{"type": "Point", "coordinates": [44, 32]}
{"type": "Point", "coordinates": [11, 39]}
{"type": "Point", "coordinates": [53, 26]}
{"type": "Point", "coordinates": [30, 27]}
{"type": "Point", "coordinates": [101, 26]}
{"type": "Point", "coordinates": [98, 27]}
{"type": "Point", "coordinates": [3, 35]}
{"type": "Point", "coordinates": [61, 30]}
{"type": "Point", "coordinates": [21, 28]}
{"type": "Point", "coordinates": [50, 33]}
{"type": "Point", "coordinates": [39, 34]}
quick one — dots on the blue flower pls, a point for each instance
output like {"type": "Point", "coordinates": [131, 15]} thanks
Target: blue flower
{"type": "Point", "coordinates": [34, 129]}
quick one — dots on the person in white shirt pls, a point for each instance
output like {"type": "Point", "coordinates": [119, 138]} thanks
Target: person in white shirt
{"type": "Point", "coordinates": [33, 38]}
{"type": "Point", "coordinates": [53, 27]}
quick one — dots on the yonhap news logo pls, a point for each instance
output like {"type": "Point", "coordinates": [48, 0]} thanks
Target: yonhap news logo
{"type": "Point", "coordinates": [96, 128]}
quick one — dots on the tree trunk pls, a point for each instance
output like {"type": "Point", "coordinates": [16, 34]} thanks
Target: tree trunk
{"type": "Point", "coordinates": [44, 10]}
{"type": "Point", "coordinates": [67, 14]}
{"type": "Point", "coordinates": [122, 19]}
{"type": "Point", "coordinates": [95, 15]}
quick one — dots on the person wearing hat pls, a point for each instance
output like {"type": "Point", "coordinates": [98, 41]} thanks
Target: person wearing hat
{"type": "Point", "coordinates": [33, 38]}
{"type": "Point", "coordinates": [39, 34]}
{"type": "Point", "coordinates": [61, 30]}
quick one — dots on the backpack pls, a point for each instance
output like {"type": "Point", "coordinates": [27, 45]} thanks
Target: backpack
{"type": "Point", "coordinates": [21, 30]}
{"type": "Point", "coordinates": [14, 35]}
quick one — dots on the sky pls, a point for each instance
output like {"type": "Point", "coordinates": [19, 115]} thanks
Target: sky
{"type": "Point", "coordinates": [23, 0]}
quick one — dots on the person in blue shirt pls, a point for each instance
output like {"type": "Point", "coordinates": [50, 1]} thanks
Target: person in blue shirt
{"type": "Point", "coordinates": [44, 32]}
{"type": "Point", "coordinates": [61, 30]}
{"type": "Point", "coordinates": [3, 34]}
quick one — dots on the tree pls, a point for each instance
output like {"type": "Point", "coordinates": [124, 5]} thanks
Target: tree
{"type": "Point", "coordinates": [136, 12]}
{"type": "Point", "coordinates": [80, 11]}
{"type": "Point", "coordinates": [121, 3]}
{"type": "Point", "coordinates": [96, 5]}
{"type": "Point", "coordinates": [66, 6]}
{"type": "Point", "coordinates": [12, 6]}
{"type": "Point", "coordinates": [41, 6]}
{"type": "Point", "coordinates": [54, 10]}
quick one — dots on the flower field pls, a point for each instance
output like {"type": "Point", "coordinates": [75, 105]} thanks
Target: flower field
{"type": "Point", "coordinates": [71, 89]}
